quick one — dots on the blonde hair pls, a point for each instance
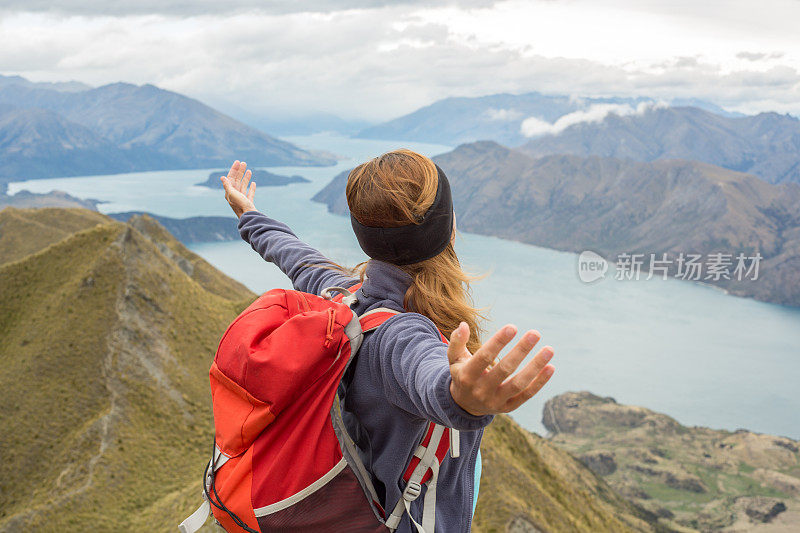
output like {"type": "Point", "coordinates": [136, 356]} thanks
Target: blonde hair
{"type": "Point", "coordinates": [396, 189]}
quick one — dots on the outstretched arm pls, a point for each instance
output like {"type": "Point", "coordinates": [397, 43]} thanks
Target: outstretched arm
{"type": "Point", "coordinates": [447, 384]}
{"type": "Point", "coordinates": [275, 242]}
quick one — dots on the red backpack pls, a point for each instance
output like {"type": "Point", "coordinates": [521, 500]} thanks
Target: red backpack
{"type": "Point", "coordinates": [283, 460]}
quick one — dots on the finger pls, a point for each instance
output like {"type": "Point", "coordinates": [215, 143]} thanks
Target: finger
{"type": "Point", "coordinates": [457, 349]}
{"type": "Point", "coordinates": [240, 175]}
{"type": "Point", "coordinates": [226, 184]}
{"type": "Point", "coordinates": [509, 363]}
{"type": "Point", "coordinates": [531, 390]}
{"type": "Point", "coordinates": [252, 193]}
{"type": "Point", "coordinates": [245, 181]}
{"type": "Point", "coordinates": [233, 170]}
{"type": "Point", "coordinates": [518, 383]}
{"type": "Point", "coordinates": [487, 353]}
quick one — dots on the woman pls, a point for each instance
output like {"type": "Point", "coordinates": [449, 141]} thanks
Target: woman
{"type": "Point", "coordinates": [404, 375]}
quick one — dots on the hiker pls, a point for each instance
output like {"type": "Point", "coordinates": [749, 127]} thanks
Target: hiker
{"type": "Point", "coordinates": [404, 374]}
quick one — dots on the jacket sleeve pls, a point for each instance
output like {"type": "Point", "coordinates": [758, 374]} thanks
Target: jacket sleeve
{"type": "Point", "coordinates": [412, 366]}
{"type": "Point", "coordinates": [304, 265]}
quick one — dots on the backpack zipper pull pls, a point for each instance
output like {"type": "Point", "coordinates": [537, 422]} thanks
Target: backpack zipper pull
{"type": "Point", "coordinates": [329, 332]}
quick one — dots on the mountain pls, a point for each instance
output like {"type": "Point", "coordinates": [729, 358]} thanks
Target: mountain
{"type": "Point", "coordinates": [305, 124]}
{"type": "Point", "coordinates": [496, 117]}
{"type": "Point", "coordinates": [107, 335]}
{"type": "Point", "coordinates": [766, 145]}
{"type": "Point", "coordinates": [189, 230]}
{"type": "Point", "coordinates": [528, 485]}
{"type": "Point", "coordinates": [132, 128]}
{"type": "Point", "coordinates": [37, 143]}
{"type": "Point", "coordinates": [63, 86]}
{"type": "Point", "coordinates": [700, 478]}
{"type": "Point", "coordinates": [108, 331]}
{"type": "Point", "coordinates": [613, 206]}
{"type": "Point", "coordinates": [288, 124]}
{"type": "Point", "coordinates": [50, 199]}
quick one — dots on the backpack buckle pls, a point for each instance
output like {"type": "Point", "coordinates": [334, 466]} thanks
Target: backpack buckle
{"type": "Point", "coordinates": [412, 491]}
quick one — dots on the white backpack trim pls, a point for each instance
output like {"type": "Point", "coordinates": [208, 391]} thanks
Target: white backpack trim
{"type": "Point", "coordinates": [294, 498]}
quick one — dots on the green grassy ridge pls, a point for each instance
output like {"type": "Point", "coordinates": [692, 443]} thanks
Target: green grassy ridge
{"type": "Point", "coordinates": [51, 378]}
{"type": "Point", "coordinates": [105, 338]}
{"type": "Point", "coordinates": [47, 226]}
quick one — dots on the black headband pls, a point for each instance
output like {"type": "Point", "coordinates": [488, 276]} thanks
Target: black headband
{"type": "Point", "coordinates": [411, 243]}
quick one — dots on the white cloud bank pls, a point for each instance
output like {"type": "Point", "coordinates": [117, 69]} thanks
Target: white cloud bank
{"type": "Point", "coordinates": [534, 126]}
{"type": "Point", "coordinates": [378, 60]}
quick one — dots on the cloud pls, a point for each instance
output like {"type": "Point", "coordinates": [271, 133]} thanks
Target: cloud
{"type": "Point", "coordinates": [534, 126]}
{"type": "Point", "coordinates": [758, 56]}
{"type": "Point", "coordinates": [504, 115]}
{"type": "Point", "coordinates": [385, 59]}
{"type": "Point", "coordinates": [206, 7]}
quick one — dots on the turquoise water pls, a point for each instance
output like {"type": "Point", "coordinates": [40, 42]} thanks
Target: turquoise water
{"type": "Point", "coordinates": [693, 352]}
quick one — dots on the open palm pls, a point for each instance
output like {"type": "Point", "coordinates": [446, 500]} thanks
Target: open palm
{"type": "Point", "coordinates": [239, 192]}
{"type": "Point", "coordinates": [481, 389]}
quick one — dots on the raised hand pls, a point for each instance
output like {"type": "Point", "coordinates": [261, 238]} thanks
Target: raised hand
{"type": "Point", "coordinates": [480, 390]}
{"type": "Point", "coordinates": [237, 193]}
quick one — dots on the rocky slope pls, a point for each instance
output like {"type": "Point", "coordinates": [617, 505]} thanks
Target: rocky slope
{"type": "Point", "coordinates": [530, 486]}
{"type": "Point", "coordinates": [613, 206]}
{"type": "Point", "coordinates": [123, 127]}
{"type": "Point", "coordinates": [694, 477]}
{"type": "Point", "coordinates": [107, 331]}
{"type": "Point", "coordinates": [766, 145]}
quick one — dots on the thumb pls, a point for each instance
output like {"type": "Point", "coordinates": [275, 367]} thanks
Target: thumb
{"type": "Point", "coordinates": [457, 349]}
{"type": "Point", "coordinates": [226, 184]}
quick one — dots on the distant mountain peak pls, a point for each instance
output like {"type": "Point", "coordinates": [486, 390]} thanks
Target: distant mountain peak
{"type": "Point", "coordinates": [134, 127]}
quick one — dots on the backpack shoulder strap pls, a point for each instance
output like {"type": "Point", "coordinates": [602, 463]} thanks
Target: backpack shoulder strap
{"type": "Point", "coordinates": [371, 320]}
{"type": "Point", "coordinates": [424, 465]}
{"type": "Point", "coordinates": [438, 440]}
{"type": "Point", "coordinates": [423, 469]}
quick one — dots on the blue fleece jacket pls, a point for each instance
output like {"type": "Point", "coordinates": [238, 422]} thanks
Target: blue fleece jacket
{"type": "Point", "coordinates": [399, 380]}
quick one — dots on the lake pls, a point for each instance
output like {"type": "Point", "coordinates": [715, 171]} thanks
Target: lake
{"type": "Point", "coordinates": [688, 350]}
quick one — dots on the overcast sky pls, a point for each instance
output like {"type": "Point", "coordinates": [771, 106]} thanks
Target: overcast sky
{"type": "Point", "coordinates": [377, 60]}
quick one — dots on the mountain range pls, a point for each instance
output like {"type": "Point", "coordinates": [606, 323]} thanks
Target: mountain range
{"type": "Point", "coordinates": [47, 131]}
{"type": "Point", "coordinates": [766, 145]}
{"type": "Point", "coordinates": [499, 117]}
{"type": "Point", "coordinates": [105, 420]}
{"type": "Point", "coordinates": [613, 206]}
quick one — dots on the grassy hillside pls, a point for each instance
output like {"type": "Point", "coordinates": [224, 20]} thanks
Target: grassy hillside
{"type": "Point", "coordinates": [24, 231]}
{"type": "Point", "coordinates": [105, 344]}
{"type": "Point", "coordinates": [107, 331]}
